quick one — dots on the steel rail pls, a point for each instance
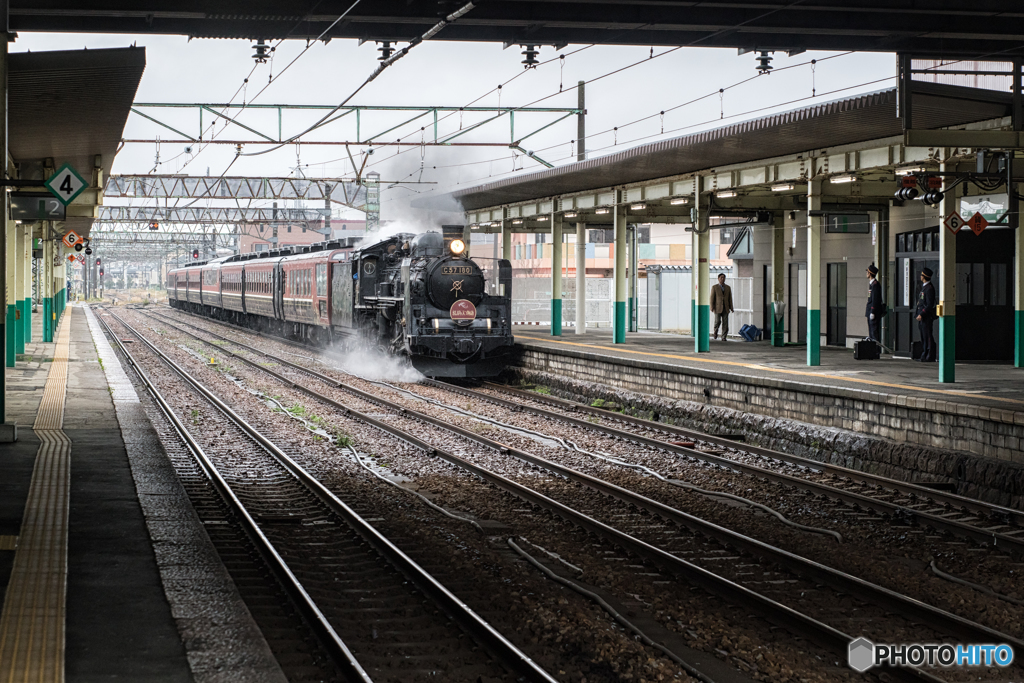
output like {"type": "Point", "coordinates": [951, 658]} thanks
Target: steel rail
{"type": "Point", "coordinates": [475, 626]}
{"type": "Point", "coordinates": [798, 564]}
{"type": "Point", "coordinates": [985, 536]}
{"type": "Point", "coordinates": [1015, 517]}
{"type": "Point", "coordinates": [332, 642]}
{"type": "Point", "coordinates": [837, 580]}
{"type": "Point", "coordinates": [996, 513]}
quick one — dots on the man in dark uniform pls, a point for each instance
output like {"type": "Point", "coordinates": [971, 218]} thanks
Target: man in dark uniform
{"type": "Point", "coordinates": [925, 316]}
{"type": "Point", "coordinates": [876, 306]}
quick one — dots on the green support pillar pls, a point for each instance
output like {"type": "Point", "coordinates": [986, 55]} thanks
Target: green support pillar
{"type": "Point", "coordinates": [19, 289]}
{"type": "Point", "coordinates": [27, 284]}
{"type": "Point", "coordinates": [777, 294]}
{"type": "Point", "coordinates": [813, 274]}
{"type": "Point", "coordinates": [619, 324]}
{"type": "Point", "coordinates": [556, 274]}
{"type": "Point", "coordinates": [701, 270]}
{"type": "Point", "coordinates": [947, 282]}
{"type": "Point", "coordinates": [11, 317]}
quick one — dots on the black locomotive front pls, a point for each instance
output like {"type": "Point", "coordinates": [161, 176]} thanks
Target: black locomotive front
{"type": "Point", "coordinates": [434, 304]}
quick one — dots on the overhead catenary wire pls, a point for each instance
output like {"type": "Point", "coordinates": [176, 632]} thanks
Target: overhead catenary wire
{"type": "Point", "coordinates": [675, 130]}
{"type": "Point", "coordinates": [433, 31]}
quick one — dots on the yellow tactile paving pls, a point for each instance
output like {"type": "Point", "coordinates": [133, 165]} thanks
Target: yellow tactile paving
{"type": "Point", "coordinates": [783, 371]}
{"type": "Point", "coordinates": [32, 623]}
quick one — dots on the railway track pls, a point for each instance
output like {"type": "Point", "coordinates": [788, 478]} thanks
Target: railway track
{"type": "Point", "coordinates": [642, 538]}
{"type": "Point", "coordinates": [380, 615]}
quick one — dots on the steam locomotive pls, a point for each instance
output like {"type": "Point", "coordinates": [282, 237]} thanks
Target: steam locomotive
{"type": "Point", "coordinates": [418, 296]}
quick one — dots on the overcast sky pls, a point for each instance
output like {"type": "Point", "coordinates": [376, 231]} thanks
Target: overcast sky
{"type": "Point", "coordinates": [455, 74]}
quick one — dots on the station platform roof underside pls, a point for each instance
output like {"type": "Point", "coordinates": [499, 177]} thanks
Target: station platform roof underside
{"type": "Point", "coordinates": [939, 28]}
{"type": "Point", "coordinates": [71, 107]}
{"type": "Point", "coordinates": [860, 136]}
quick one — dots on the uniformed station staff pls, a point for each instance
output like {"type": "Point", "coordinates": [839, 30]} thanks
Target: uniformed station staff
{"type": "Point", "coordinates": [875, 308]}
{"type": "Point", "coordinates": [925, 316]}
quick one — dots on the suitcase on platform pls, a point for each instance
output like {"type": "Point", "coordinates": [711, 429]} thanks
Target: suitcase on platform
{"type": "Point", "coordinates": [866, 349]}
{"type": "Point", "coordinates": [750, 333]}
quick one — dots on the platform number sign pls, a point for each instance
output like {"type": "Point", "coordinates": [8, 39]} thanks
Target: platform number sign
{"type": "Point", "coordinates": [954, 222]}
{"type": "Point", "coordinates": [66, 184]}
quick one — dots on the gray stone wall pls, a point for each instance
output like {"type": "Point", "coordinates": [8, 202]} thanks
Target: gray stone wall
{"type": "Point", "coordinates": [896, 436]}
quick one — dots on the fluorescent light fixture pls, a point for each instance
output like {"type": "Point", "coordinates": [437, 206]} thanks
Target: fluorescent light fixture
{"type": "Point", "coordinates": [909, 170]}
{"type": "Point", "coordinates": [638, 207]}
{"type": "Point", "coordinates": [518, 221]}
{"type": "Point", "coordinates": [840, 179]}
{"type": "Point", "coordinates": [726, 194]}
{"type": "Point", "coordinates": [475, 226]}
{"type": "Point", "coordinates": [542, 218]}
{"type": "Point", "coordinates": [495, 224]}
{"type": "Point", "coordinates": [601, 212]}
{"type": "Point", "coordinates": [568, 214]}
{"type": "Point", "coordinates": [783, 187]}
{"type": "Point", "coordinates": [680, 200]}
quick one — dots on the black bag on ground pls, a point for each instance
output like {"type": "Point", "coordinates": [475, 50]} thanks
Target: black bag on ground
{"type": "Point", "coordinates": [866, 349]}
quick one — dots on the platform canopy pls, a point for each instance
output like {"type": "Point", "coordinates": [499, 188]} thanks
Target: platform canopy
{"type": "Point", "coordinates": [819, 127]}
{"type": "Point", "coordinates": [937, 28]}
{"type": "Point", "coordinates": [71, 107]}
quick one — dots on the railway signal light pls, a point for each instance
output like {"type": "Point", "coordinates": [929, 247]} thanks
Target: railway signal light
{"type": "Point", "coordinates": [78, 246]}
{"type": "Point", "coordinates": [99, 262]}
{"type": "Point", "coordinates": [154, 226]}
{"type": "Point", "coordinates": [195, 254]}
{"type": "Point", "coordinates": [88, 251]}
{"type": "Point", "coordinates": [101, 272]}
{"type": "Point", "coordinates": [908, 189]}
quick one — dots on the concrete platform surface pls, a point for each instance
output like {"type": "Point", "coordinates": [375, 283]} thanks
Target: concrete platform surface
{"type": "Point", "coordinates": [128, 612]}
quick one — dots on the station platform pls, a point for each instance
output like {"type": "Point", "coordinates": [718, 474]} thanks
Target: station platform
{"type": "Point", "coordinates": [898, 400]}
{"type": "Point", "coordinates": [103, 566]}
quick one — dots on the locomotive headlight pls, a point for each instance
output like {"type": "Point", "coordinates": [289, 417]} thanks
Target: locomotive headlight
{"type": "Point", "coordinates": [457, 247]}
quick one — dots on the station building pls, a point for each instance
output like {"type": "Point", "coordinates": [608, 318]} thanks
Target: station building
{"type": "Point", "coordinates": [808, 200]}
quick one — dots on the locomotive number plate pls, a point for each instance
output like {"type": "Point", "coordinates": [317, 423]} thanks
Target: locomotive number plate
{"type": "Point", "coordinates": [456, 270]}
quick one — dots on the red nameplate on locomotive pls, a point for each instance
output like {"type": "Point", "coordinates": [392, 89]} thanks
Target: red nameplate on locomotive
{"type": "Point", "coordinates": [463, 311]}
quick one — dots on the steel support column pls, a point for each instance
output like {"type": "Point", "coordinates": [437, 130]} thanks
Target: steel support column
{"type": "Point", "coordinates": [11, 280]}
{"type": "Point", "coordinates": [46, 279]}
{"type": "Point", "coordinates": [27, 284]}
{"type": "Point", "coordinates": [20, 268]}
{"type": "Point", "coordinates": [556, 274]}
{"type": "Point", "coordinates": [581, 278]}
{"type": "Point", "coordinates": [777, 285]}
{"type": "Point", "coordinates": [506, 239]}
{"type": "Point", "coordinates": [947, 282]}
{"type": "Point", "coordinates": [1015, 223]}
{"type": "Point", "coordinates": [701, 270]}
{"type": "Point", "coordinates": [813, 273]}
{"type": "Point", "coordinates": [619, 319]}
{"type": "Point", "coordinates": [633, 263]}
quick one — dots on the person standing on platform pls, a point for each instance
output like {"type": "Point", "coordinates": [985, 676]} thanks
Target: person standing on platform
{"type": "Point", "coordinates": [925, 317]}
{"type": "Point", "coordinates": [721, 305]}
{"type": "Point", "coordinates": [876, 306]}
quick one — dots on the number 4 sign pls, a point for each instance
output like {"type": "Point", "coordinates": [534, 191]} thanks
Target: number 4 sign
{"type": "Point", "coordinates": [66, 184]}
